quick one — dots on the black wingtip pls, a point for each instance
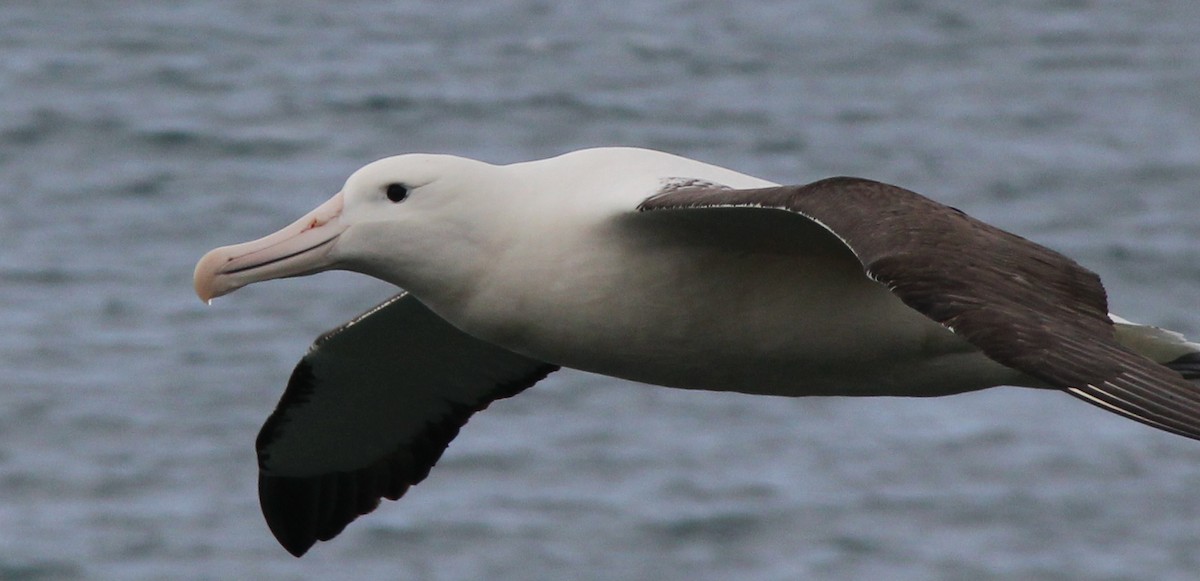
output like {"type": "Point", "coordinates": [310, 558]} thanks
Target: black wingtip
{"type": "Point", "coordinates": [1164, 396]}
{"type": "Point", "coordinates": [294, 527]}
{"type": "Point", "coordinates": [297, 549]}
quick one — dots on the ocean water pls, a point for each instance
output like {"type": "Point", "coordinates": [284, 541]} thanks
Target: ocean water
{"type": "Point", "coordinates": [136, 135]}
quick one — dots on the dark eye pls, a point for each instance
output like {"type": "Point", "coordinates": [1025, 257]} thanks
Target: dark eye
{"type": "Point", "coordinates": [397, 192]}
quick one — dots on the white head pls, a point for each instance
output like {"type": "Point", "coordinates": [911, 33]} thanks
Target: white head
{"type": "Point", "coordinates": [392, 218]}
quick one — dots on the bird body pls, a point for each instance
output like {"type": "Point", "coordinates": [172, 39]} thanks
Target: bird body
{"type": "Point", "coordinates": [689, 301]}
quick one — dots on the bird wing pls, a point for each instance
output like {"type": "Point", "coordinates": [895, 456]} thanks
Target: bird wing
{"type": "Point", "coordinates": [1020, 303]}
{"type": "Point", "coordinates": [369, 410]}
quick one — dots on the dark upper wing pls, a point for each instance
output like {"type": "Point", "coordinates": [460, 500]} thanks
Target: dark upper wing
{"type": "Point", "coordinates": [1023, 305]}
{"type": "Point", "coordinates": [369, 410]}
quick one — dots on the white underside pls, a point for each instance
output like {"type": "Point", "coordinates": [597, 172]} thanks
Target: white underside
{"type": "Point", "coordinates": [686, 313]}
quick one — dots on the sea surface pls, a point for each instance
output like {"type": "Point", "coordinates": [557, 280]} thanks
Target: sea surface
{"type": "Point", "coordinates": [136, 135]}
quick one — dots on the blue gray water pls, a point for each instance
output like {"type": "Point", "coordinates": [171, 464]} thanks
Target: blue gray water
{"type": "Point", "coordinates": [136, 135]}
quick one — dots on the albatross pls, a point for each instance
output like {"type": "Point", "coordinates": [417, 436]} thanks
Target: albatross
{"type": "Point", "coordinates": [655, 268]}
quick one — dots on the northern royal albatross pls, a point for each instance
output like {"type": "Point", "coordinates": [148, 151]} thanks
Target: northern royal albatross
{"type": "Point", "coordinates": [656, 268]}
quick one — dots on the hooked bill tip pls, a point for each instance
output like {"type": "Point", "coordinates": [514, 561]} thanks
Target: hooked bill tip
{"type": "Point", "coordinates": [204, 278]}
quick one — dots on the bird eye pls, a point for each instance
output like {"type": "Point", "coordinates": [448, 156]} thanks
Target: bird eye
{"type": "Point", "coordinates": [397, 192]}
